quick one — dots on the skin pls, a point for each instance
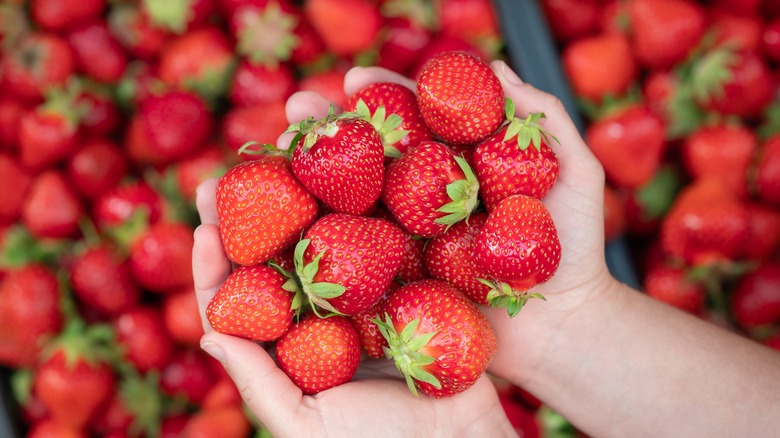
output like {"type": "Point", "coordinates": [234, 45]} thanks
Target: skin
{"type": "Point", "coordinates": [611, 360]}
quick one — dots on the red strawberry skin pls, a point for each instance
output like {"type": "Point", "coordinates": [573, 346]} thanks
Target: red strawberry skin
{"type": "Point", "coordinates": [669, 285]}
{"type": "Point", "coordinates": [102, 280]}
{"type": "Point", "coordinates": [721, 151]}
{"type": "Point", "coordinates": [503, 169]}
{"type": "Point", "coordinates": [363, 254]}
{"type": "Point", "coordinates": [52, 208]}
{"type": "Point", "coordinates": [146, 343]}
{"type": "Point", "coordinates": [519, 243]}
{"type": "Point", "coordinates": [341, 162]}
{"type": "Point", "coordinates": [262, 209]}
{"type": "Point", "coordinates": [319, 353]}
{"type": "Point", "coordinates": [251, 303]}
{"type": "Point", "coordinates": [459, 326]}
{"type": "Point", "coordinates": [161, 258]}
{"type": "Point", "coordinates": [767, 175]}
{"type": "Point", "coordinates": [665, 31]}
{"type": "Point", "coordinates": [176, 124]}
{"type": "Point", "coordinates": [756, 299]}
{"type": "Point", "coordinates": [460, 98]}
{"type": "Point", "coordinates": [371, 339]}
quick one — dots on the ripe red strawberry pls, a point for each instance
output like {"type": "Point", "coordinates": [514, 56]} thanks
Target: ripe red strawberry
{"type": "Point", "coordinates": [190, 172]}
{"type": "Point", "coordinates": [40, 61]}
{"type": "Point", "coordinates": [11, 112]}
{"type": "Point", "coordinates": [225, 421]}
{"type": "Point", "coordinates": [188, 375]}
{"type": "Point", "coordinates": [764, 240]}
{"type": "Point", "coordinates": [672, 285]}
{"type": "Point", "coordinates": [424, 322]}
{"type": "Point", "coordinates": [47, 428]}
{"type": "Point", "coordinates": [766, 182]}
{"type": "Point", "coordinates": [706, 224]}
{"type": "Point", "coordinates": [177, 124]}
{"type": "Point", "coordinates": [101, 279]}
{"type": "Point", "coordinates": [721, 151]}
{"type": "Point", "coordinates": [629, 143]}
{"type": "Point", "coordinates": [102, 116]}
{"type": "Point", "coordinates": [12, 174]}
{"type": "Point", "coordinates": [200, 61]}
{"type": "Point", "coordinates": [182, 317]}
{"type": "Point", "coordinates": [440, 44]}
{"type": "Point", "coordinates": [136, 32]}
{"type": "Point", "coordinates": [125, 201]}
{"type": "Point", "coordinates": [319, 353]}
{"type": "Point", "coordinates": [371, 248]}
{"type": "Point", "coordinates": [450, 257]}
{"type": "Point", "coordinates": [142, 336]}
{"type": "Point", "coordinates": [473, 21]}
{"type": "Point", "coordinates": [266, 32]}
{"type": "Point", "coordinates": [161, 257]}
{"type": "Point", "coordinates": [262, 209]}
{"type": "Point", "coordinates": [260, 123]}
{"type": "Point", "coordinates": [463, 78]}
{"type": "Point", "coordinates": [75, 378]}
{"type": "Point", "coordinates": [97, 52]}
{"type": "Point", "coordinates": [572, 19]}
{"type": "Point", "coordinates": [429, 189]}
{"type": "Point", "coordinates": [412, 264]}
{"type": "Point", "coordinates": [52, 208]}
{"type": "Point", "coordinates": [756, 299]}
{"type": "Point", "coordinates": [29, 313]}
{"type": "Point", "coordinates": [394, 99]}
{"type": "Point", "coordinates": [252, 303]}
{"type": "Point", "coordinates": [50, 133]}
{"type": "Point", "coordinates": [54, 15]}
{"type": "Point", "coordinates": [770, 40]}
{"type": "Point", "coordinates": [503, 253]}
{"type": "Point", "coordinates": [665, 31]}
{"type": "Point", "coordinates": [600, 66]}
{"type": "Point", "coordinates": [259, 84]}
{"type": "Point", "coordinates": [405, 38]}
{"type": "Point", "coordinates": [742, 32]}
{"type": "Point", "coordinates": [347, 27]}
{"type": "Point", "coordinates": [515, 160]}
{"type": "Point", "coordinates": [96, 167]}
{"type": "Point", "coordinates": [340, 160]}
{"type": "Point", "coordinates": [371, 338]}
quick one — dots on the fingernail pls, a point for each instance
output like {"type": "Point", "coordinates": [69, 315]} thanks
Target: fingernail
{"type": "Point", "coordinates": [510, 75]}
{"type": "Point", "coordinates": [214, 351]}
{"type": "Point", "coordinates": [195, 233]}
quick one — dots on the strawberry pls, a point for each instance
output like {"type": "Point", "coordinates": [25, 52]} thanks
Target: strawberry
{"type": "Point", "coordinates": [756, 298]}
{"type": "Point", "coordinates": [266, 32]}
{"type": "Point", "coordinates": [54, 15]}
{"type": "Point", "coordinates": [40, 61]}
{"type": "Point", "coordinates": [371, 339]}
{"type": "Point", "coordinates": [347, 27]}
{"type": "Point", "coordinates": [97, 52]}
{"type": "Point", "coordinates": [142, 336]}
{"type": "Point", "coordinates": [182, 317]}
{"type": "Point", "coordinates": [259, 84]}
{"type": "Point", "coordinates": [226, 422]}
{"type": "Point", "coordinates": [260, 123]}
{"type": "Point", "coordinates": [515, 160]}
{"type": "Point", "coordinates": [463, 78]}
{"type": "Point", "coordinates": [571, 19]}
{"type": "Point", "coordinates": [176, 123]}
{"type": "Point", "coordinates": [502, 251]}
{"type": "Point", "coordinates": [200, 61]}
{"type": "Point", "coordinates": [742, 32]}
{"type": "Point", "coordinates": [770, 40]}
{"type": "Point", "coordinates": [101, 279]}
{"type": "Point", "coordinates": [764, 240]}
{"type": "Point", "coordinates": [766, 182]}
{"type": "Point", "coordinates": [187, 375]}
{"type": "Point", "coordinates": [319, 353]}
{"type": "Point", "coordinates": [190, 172]}
{"type": "Point", "coordinates": [423, 323]}
{"type": "Point", "coordinates": [340, 160]}
{"type": "Point", "coordinates": [12, 174]}
{"type": "Point", "coordinates": [179, 18]}
{"type": "Point", "coordinates": [600, 66]}
{"type": "Point", "coordinates": [96, 167]}
{"type": "Point", "coordinates": [121, 204]}
{"type": "Point", "coordinates": [75, 378]}
{"type": "Point", "coordinates": [706, 224]}
{"type": "Point", "coordinates": [371, 247]}
{"type": "Point", "coordinates": [102, 116]}
{"type": "Point", "coordinates": [136, 32]}
{"type": "Point", "coordinates": [630, 143]}
{"type": "Point", "coordinates": [161, 257]}
{"type": "Point", "coordinates": [262, 209]}
{"type": "Point", "coordinates": [412, 264]}
{"type": "Point", "coordinates": [29, 313]}
{"type": "Point", "coordinates": [252, 303]}
{"type": "Point", "coordinates": [450, 257]}
{"type": "Point", "coordinates": [473, 21]}
{"type": "Point", "coordinates": [387, 98]}
{"type": "Point", "coordinates": [52, 208]}
{"type": "Point", "coordinates": [664, 32]}
{"type": "Point", "coordinates": [672, 285]}
{"type": "Point", "coordinates": [440, 44]}
{"type": "Point", "coordinates": [11, 112]}
{"type": "Point", "coordinates": [429, 189]}
{"type": "Point", "coordinates": [721, 151]}
{"type": "Point", "coordinates": [48, 428]}
{"type": "Point", "coordinates": [404, 39]}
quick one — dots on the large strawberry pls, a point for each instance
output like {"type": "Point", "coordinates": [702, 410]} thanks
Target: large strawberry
{"type": "Point", "coordinates": [340, 160]}
{"type": "Point", "coordinates": [262, 209]}
{"type": "Point", "coordinates": [319, 353]}
{"type": "Point", "coordinates": [252, 303]}
{"type": "Point", "coordinates": [347, 27]}
{"type": "Point", "coordinates": [429, 189]}
{"type": "Point", "coordinates": [664, 32]}
{"type": "Point", "coordinates": [345, 262]}
{"type": "Point", "coordinates": [517, 249]}
{"type": "Point", "coordinates": [515, 160]}
{"type": "Point", "coordinates": [38, 63]}
{"type": "Point", "coordinates": [460, 98]}
{"type": "Point", "coordinates": [424, 323]}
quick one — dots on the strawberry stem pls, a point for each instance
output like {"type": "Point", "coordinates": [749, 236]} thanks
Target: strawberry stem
{"type": "Point", "coordinates": [502, 295]}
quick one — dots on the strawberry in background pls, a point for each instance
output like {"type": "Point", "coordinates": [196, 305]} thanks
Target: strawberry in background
{"type": "Point", "coordinates": [39, 62]}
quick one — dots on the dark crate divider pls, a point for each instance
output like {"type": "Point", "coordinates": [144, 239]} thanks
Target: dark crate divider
{"type": "Point", "coordinates": [9, 423]}
{"type": "Point", "coordinates": [534, 56]}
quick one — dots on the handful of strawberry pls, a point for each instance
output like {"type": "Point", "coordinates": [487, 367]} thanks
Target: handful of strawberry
{"type": "Point", "coordinates": [321, 256]}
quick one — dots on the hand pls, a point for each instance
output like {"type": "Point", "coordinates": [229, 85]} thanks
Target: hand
{"type": "Point", "coordinates": [376, 403]}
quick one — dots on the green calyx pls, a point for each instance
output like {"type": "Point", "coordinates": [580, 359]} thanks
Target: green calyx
{"type": "Point", "coordinates": [266, 37]}
{"type": "Point", "coordinates": [257, 148]}
{"type": "Point", "coordinates": [405, 350]}
{"type": "Point", "coordinates": [316, 293]}
{"type": "Point", "coordinates": [502, 295]}
{"type": "Point", "coordinates": [171, 15]}
{"type": "Point", "coordinates": [93, 344]}
{"type": "Point", "coordinates": [528, 131]}
{"type": "Point", "coordinates": [464, 196]}
{"type": "Point", "coordinates": [64, 101]}
{"type": "Point", "coordinates": [312, 129]}
{"type": "Point", "coordinates": [144, 400]}
{"type": "Point", "coordinates": [386, 125]}
{"type": "Point", "coordinates": [711, 72]}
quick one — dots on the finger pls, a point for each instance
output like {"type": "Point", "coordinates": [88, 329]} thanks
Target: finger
{"type": "Point", "coordinates": [304, 104]}
{"type": "Point", "coordinates": [206, 201]}
{"type": "Point", "coordinates": [360, 77]}
{"type": "Point", "coordinates": [210, 267]}
{"type": "Point", "coordinates": [265, 388]}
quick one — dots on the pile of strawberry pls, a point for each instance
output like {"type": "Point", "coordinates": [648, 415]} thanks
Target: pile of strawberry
{"type": "Point", "coordinates": [368, 234]}
{"type": "Point", "coordinates": [680, 99]}
{"type": "Point", "coordinates": [111, 113]}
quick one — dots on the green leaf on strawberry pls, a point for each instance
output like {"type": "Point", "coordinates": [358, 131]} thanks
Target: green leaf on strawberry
{"type": "Point", "coordinates": [528, 131]}
{"type": "Point", "coordinates": [502, 295]}
{"type": "Point", "coordinates": [386, 126]}
{"type": "Point", "coordinates": [317, 293]}
{"type": "Point", "coordinates": [464, 195]}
